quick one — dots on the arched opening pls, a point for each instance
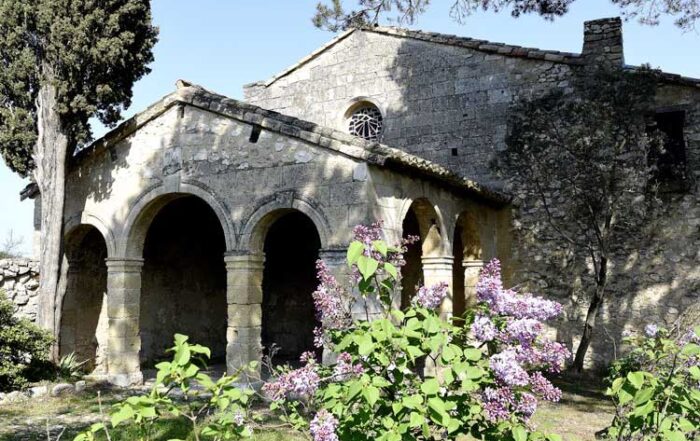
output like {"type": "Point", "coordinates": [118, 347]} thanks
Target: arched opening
{"type": "Point", "coordinates": [83, 327]}
{"type": "Point", "coordinates": [467, 263]}
{"type": "Point", "coordinates": [412, 271]}
{"type": "Point", "coordinates": [291, 249]}
{"type": "Point", "coordinates": [422, 221]}
{"type": "Point", "coordinates": [183, 288]}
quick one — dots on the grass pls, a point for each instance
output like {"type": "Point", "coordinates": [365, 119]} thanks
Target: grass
{"type": "Point", "coordinates": [582, 412]}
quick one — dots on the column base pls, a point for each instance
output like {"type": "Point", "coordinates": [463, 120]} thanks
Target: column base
{"type": "Point", "coordinates": [126, 379]}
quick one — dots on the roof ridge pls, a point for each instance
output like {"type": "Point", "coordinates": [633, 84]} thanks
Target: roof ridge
{"type": "Point", "coordinates": [325, 137]}
{"type": "Point", "coordinates": [499, 48]}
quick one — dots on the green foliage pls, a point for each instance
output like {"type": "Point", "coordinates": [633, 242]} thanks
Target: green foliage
{"type": "Point", "coordinates": [23, 347]}
{"type": "Point", "coordinates": [657, 390]}
{"type": "Point", "coordinates": [69, 367]}
{"type": "Point", "coordinates": [333, 16]}
{"type": "Point", "coordinates": [92, 52]}
{"type": "Point", "coordinates": [215, 410]}
{"type": "Point", "coordinates": [392, 397]}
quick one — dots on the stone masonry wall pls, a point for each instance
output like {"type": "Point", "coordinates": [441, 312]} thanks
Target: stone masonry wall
{"type": "Point", "coordinates": [19, 280]}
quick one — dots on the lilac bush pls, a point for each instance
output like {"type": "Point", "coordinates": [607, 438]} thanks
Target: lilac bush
{"type": "Point", "coordinates": [412, 374]}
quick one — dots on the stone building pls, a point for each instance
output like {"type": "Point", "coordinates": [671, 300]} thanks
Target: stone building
{"type": "Point", "coordinates": [204, 215]}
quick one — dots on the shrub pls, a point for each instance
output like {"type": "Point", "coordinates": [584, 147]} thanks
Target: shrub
{"type": "Point", "coordinates": [69, 367]}
{"type": "Point", "coordinates": [23, 347]}
{"type": "Point", "coordinates": [215, 410]}
{"type": "Point", "coordinates": [657, 388]}
{"type": "Point", "coordinates": [482, 379]}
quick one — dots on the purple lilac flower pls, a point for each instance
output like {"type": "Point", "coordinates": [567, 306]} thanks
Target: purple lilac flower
{"type": "Point", "coordinates": [544, 388]}
{"type": "Point", "coordinates": [483, 328]}
{"type": "Point", "coordinates": [651, 330]}
{"type": "Point", "coordinates": [527, 405]}
{"type": "Point", "coordinates": [344, 369]}
{"type": "Point", "coordinates": [506, 368]}
{"type": "Point", "coordinates": [328, 300]}
{"type": "Point", "coordinates": [238, 418]}
{"type": "Point", "coordinates": [689, 337]}
{"type": "Point", "coordinates": [323, 426]}
{"type": "Point", "coordinates": [431, 297]}
{"type": "Point", "coordinates": [522, 331]}
{"type": "Point", "coordinates": [497, 403]}
{"type": "Point", "coordinates": [547, 355]}
{"type": "Point", "coordinates": [302, 382]}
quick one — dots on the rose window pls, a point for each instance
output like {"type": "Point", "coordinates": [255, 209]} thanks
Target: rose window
{"type": "Point", "coordinates": [366, 122]}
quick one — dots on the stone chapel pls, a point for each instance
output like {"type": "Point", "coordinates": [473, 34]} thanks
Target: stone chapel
{"type": "Point", "coordinates": [205, 215]}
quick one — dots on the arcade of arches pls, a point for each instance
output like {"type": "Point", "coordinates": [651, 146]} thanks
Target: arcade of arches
{"type": "Point", "coordinates": [241, 304]}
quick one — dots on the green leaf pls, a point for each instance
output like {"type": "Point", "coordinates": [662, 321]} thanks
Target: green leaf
{"type": "Point", "coordinates": [367, 266]}
{"type": "Point", "coordinates": [355, 250]}
{"type": "Point", "coordinates": [124, 413]}
{"type": "Point", "coordinates": [371, 394]}
{"type": "Point", "coordinates": [519, 433]}
{"type": "Point", "coordinates": [643, 395]}
{"type": "Point", "coordinates": [416, 419]}
{"type": "Point", "coordinates": [674, 435]}
{"type": "Point", "coordinates": [636, 379]}
{"type": "Point", "coordinates": [430, 386]}
{"type": "Point", "coordinates": [391, 270]}
{"type": "Point", "coordinates": [380, 246]}
{"type": "Point", "coordinates": [473, 354]}
{"type": "Point", "coordinates": [365, 344]}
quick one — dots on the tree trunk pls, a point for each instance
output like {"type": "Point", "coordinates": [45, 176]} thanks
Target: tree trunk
{"type": "Point", "coordinates": [591, 315]}
{"type": "Point", "coordinates": [50, 155]}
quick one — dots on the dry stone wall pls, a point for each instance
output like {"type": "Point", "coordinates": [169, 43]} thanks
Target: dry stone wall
{"type": "Point", "coordinates": [19, 280]}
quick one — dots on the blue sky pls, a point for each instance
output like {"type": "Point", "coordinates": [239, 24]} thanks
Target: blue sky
{"type": "Point", "coordinates": [223, 44]}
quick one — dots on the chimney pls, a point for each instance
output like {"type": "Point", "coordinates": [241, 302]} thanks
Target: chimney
{"type": "Point", "coordinates": [602, 42]}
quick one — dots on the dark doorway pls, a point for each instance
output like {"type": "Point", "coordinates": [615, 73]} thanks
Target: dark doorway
{"type": "Point", "coordinates": [288, 315]}
{"type": "Point", "coordinates": [412, 271]}
{"type": "Point", "coordinates": [184, 280]}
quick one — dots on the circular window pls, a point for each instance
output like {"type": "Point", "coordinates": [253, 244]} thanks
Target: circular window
{"type": "Point", "coordinates": [366, 121]}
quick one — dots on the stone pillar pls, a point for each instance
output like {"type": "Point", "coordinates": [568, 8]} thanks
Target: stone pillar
{"type": "Point", "coordinates": [439, 269]}
{"type": "Point", "coordinates": [244, 274]}
{"type": "Point", "coordinates": [123, 304]}
{"type": "Point", "coordinates": [337, 263]}
{"type": "Point", "coordinates": [472, 268]}
{"type": "Point", "coordinates": [68, 323]}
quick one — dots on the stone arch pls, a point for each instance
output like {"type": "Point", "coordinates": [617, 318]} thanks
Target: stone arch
{"type": "Point", "coordinates": [149, 204]}
{"type": "Point", "coordinates": [291, 248]}
{"type": "Point", "coordinates": [423, 219]}
{"type": "Point", "coordinates": [85, 218]}
{"type": "Point", "coordinates": [257, 225]}
{"type": "Point", "coordinates": [82, 322]}
{"type": "Point", "coordinates": [183, 279]}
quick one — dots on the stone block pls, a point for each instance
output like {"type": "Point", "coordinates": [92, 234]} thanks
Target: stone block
{"type": "Point", "coordinates": [62, 389]}
{"type": "Point", "coordinates": [244, 315]}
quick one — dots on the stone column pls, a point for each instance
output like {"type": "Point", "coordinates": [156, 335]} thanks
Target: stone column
{"type": "Point", "coordinates": [472, 268]}
{"type": "Point", "coordinates": [123, 304]}
{"type": "Point", "coordinates": [68, 323]}
{"type": "Point", "coordinates": [244, 274]}
{"type": "Point", "coordinates": [336, 261]}
{"type": "Point", "coordinates": [439, 269]}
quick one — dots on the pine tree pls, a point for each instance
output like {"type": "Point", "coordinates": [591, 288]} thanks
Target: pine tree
{"type": "Point", "coordinates": [63, 62]}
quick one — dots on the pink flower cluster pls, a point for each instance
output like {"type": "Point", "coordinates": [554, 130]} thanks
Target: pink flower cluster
{"type": "Point", "coordinates": [298, 383]}
{"type": "Point", "coordinates": [431, 297]}
{"type": "Point", "coordinates": [323, 426]}
{"type": "Point", "coordinates": [344, 369]}
{"type": "Point", "coordinates": [511, 323]}
{"type": "Point", "coordinates": [329, 300]}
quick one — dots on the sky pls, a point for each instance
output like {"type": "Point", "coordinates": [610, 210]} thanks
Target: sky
{"type": "Point", "coordinates": [224, 44]}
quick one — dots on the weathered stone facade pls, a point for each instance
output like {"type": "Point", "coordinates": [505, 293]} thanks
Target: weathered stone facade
{"type": "Point", "coordinates": [187, 207]}
{"type": "Point", "coordinates": [447, 98]}
{"type": "Point", "coordinates": [19, 280]}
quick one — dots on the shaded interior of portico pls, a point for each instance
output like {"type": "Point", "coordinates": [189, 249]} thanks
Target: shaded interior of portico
{"type": "Point", "coordinates": [83, 326]}
{"type": "Point", "coordinates": [421, 220]}
{"type": "Point", "coordinates": [291, 249]}
{"type": "Point", "coordinates": [183, 280]}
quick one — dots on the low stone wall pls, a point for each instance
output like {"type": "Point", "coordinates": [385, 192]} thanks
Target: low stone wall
{"type": "Point", "coordinates": [19, 279]}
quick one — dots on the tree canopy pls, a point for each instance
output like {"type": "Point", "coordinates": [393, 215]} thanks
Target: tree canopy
{"type": "Point", "coordinates": [334, 16]}
{"type": "Point", "coordinates": [92, 51]}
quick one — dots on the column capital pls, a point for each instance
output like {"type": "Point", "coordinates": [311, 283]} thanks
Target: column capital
{"type": "Point", "coordinates": [471, 263]}
{"type": "Point", "coordinates": [437, 261]}
{"type": "Point", "coordinates": [124, 264]}
{"type": "Point", "coordinates": [244, 259]}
